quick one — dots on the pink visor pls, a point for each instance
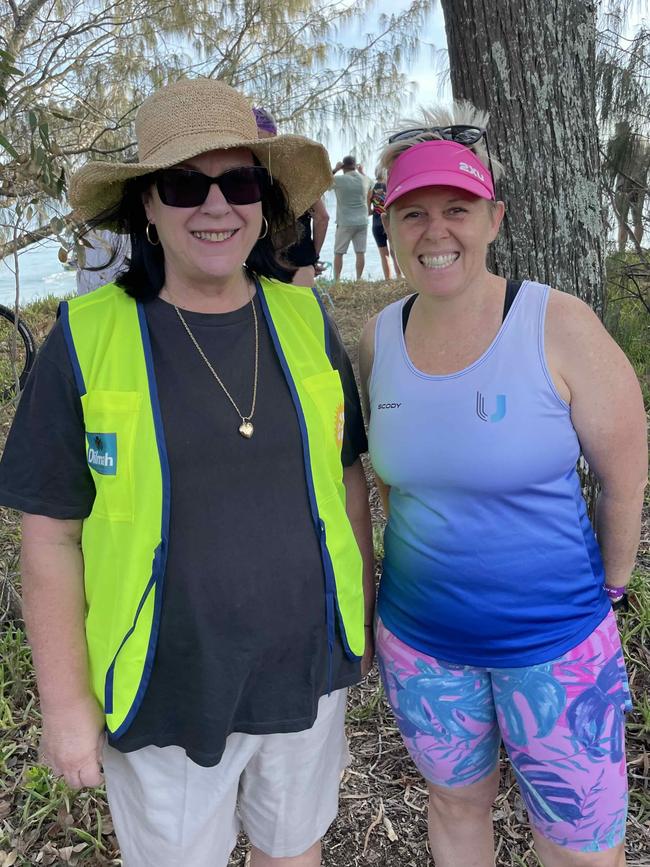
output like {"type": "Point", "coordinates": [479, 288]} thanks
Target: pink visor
{"type": "Point", "coordinates": [438, 164]}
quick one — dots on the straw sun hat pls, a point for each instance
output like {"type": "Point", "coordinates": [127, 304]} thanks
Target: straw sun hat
{"type": "Point", "coordinates": [189, 118]}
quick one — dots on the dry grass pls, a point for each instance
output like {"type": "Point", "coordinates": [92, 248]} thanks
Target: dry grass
{"type": "Point", "coordinates": [382, 820]}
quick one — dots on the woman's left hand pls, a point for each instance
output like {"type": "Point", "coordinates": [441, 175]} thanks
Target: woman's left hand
{"type": "Point", "coordinates": [358, 511]}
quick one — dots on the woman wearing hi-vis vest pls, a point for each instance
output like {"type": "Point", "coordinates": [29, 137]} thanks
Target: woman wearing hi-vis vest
{"type": "Point", "coordinates": [196, 536]}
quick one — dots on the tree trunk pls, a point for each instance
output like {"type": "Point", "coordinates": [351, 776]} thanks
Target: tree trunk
{"type": "Point", "coordinates": [531, 64]}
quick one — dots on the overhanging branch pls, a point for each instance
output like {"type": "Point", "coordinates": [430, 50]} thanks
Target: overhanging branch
{"type": "Point", "coordinates": [27, 238]}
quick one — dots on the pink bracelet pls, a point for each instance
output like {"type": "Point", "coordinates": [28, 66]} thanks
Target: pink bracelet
{"type": "Point", "coordinates": [615, 593]}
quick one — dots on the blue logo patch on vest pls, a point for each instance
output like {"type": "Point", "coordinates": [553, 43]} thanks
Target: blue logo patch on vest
{"type": "Point", "coordinates": [499, 412]}
{"type": "Point", "coordinates": [102, 452]}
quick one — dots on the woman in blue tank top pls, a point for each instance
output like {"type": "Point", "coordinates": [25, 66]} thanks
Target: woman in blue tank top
{"type": "Point", "coordinates": [495, 613]}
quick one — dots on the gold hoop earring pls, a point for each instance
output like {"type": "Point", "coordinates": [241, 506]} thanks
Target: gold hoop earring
{"type": "Point", "coordinates": [266, 228]}
{"type": "Point", "coordinates": [147, 232]}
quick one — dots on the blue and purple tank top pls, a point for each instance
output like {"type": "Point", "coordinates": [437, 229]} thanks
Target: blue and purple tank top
{"type": "Point", "coordinates": [490, 558]}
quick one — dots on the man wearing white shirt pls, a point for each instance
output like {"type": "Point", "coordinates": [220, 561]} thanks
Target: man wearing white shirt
{"type": "Point", "coordinates": [351, 188]}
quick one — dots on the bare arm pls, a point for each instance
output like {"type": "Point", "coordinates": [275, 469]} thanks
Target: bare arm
{"type": "Point", "coordinates": [366, 358]}
{"type": "Point", "coordinates": [369, 201]}
{"type": "Point", "coordinates": [321, 220]}
{"type": "Point", "coordinates": [358, 511]}
{"type": "Point", "coordinates": [54, 608]}
{"type": "Point", "coordinates": [594, 376]}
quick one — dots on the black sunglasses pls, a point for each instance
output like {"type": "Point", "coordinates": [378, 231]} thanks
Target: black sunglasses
{"type": "Point", "coordinates": [460, 133]}
{"type": "Point", "coordinates": [187, 188]}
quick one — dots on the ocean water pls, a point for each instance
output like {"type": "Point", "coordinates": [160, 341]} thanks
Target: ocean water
{"type": "Point", "coordinates": [42, 274]}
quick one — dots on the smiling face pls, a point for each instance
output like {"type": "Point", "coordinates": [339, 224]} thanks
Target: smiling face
{"type": "Point", "coordinates": [440, 236]}
{"type": "Point", "coordinates": [207, 244]}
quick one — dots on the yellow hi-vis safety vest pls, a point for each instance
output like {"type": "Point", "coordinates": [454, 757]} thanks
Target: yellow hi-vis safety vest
{"type": "Point", "coordinates": [125, 537]}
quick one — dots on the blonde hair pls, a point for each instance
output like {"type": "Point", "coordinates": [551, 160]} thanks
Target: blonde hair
{"type": "Point", "coordinates": [460, 112]}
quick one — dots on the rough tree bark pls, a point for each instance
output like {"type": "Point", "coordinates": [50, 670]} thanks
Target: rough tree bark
{"type": "Point", "coordinates": [531, 64]}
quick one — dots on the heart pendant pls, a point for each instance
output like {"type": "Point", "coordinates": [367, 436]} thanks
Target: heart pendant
{"type": "Point", "coordinates": [246, 429]}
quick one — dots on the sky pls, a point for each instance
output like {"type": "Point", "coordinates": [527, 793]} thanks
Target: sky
{"type": "Point", "coordinates": [421, 71]}
{"type": "Point", "coordinates": [432, 82]}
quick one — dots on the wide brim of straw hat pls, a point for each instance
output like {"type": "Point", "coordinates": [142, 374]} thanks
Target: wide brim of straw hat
{"type": "Point", "coordinates": [301, 166]}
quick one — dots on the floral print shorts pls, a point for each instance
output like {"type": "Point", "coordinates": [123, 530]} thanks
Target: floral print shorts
{"type": "Point", "coordinates": [561, 722]}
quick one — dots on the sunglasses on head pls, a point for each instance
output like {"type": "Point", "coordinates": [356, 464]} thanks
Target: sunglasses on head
{"type": "Point", "coordinates": [461, 133]}
{"type": "Point", "coordinates": [188, 188]}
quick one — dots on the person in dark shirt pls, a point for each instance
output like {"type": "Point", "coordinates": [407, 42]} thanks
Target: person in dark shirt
{"type": "Point", "coordinates": [197, 556]}
{"type": "Point", "coordinates": [376, 198]}
{"type": "Point", "coordinates": [301, 256]}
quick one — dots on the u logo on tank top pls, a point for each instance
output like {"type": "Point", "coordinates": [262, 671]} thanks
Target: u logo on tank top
{"type": "Point", "coordinates": [499, 412]}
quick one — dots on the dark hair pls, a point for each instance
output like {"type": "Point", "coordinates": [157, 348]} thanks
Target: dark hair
{"type": "Point", "coordinates": [145, 275]}
{"type": "Point", "coordinates": [349, 161]}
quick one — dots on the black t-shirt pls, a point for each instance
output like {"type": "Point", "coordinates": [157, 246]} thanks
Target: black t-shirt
{"type": "Point", "coordinates": [243, 639]}
{"type": "Point", "coordinates": [303, 251]}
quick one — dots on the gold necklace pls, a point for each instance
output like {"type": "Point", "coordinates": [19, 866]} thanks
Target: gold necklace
{"type": "Point", "coordinates": [245, 428]}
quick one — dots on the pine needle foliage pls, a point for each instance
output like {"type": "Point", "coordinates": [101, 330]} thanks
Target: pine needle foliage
{"type": "Point", "coordinates": [73, 73]}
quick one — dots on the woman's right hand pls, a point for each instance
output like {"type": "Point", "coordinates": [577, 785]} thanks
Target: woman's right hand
{"type": "Point", "coordinates": [54, 607]}
{"type": "Point", "coordinates": [73, 741]}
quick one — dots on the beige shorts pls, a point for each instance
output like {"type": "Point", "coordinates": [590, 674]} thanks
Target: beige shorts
{"type": "Point", "coordinates": [344, 234]}
{"type": "Point", "coordinates": [282, 789]}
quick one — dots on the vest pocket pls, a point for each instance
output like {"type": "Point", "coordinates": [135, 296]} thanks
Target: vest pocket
{"type": "Point", "coordinates": [110, 419]}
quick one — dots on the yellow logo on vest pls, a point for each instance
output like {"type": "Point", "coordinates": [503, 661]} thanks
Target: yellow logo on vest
{"type": "Point", "coordinates": [102, 453]}
{"type": "Point", "coordinates": [339, 424]}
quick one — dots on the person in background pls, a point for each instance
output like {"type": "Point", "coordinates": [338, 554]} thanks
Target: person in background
{"type": "Point", "coordinates": [376, 196]}
{"type": "Point", "coordinates": [351, 189]}
{"type": "Point", "coordinates": [303, 255]}
{"type": "Point", "coordinates": [101, 255]}
{"type": "Point", "coordinates": [495, 609]}
{"type": "Point", "coordinates": [196, 547]}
